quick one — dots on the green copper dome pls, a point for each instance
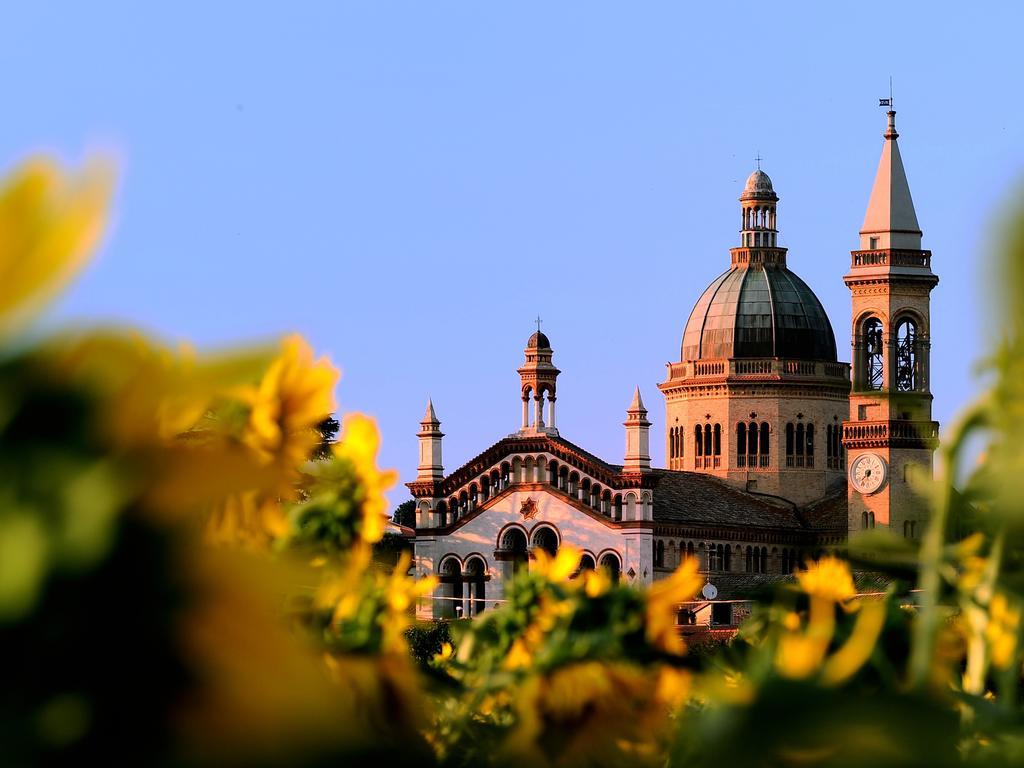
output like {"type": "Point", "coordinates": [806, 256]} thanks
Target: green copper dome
{"type": "Point", "coordinates": [760, 311]}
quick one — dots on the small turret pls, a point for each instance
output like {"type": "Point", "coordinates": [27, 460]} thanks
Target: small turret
{"type": "Point", "coordinates": [537, 378]}
{"type": "Point", "coordinates": [430, 468]}
{"type": "Point", "coordinates": [638, 430]}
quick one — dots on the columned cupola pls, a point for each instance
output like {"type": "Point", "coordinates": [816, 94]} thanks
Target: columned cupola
{"type": "Point", "coordinates": [537, 380]}
{"type": "Point", "coordinates": [758, 203]}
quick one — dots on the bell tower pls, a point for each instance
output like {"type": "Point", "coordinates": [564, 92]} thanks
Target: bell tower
{"type": "Point", "coordinates": [538, 378]}
{"type": "Point", "coordinates": [890, 434]}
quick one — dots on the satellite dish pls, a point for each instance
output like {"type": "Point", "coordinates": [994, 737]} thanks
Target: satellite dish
{"type": "Point", "coordinates": [710, 591]}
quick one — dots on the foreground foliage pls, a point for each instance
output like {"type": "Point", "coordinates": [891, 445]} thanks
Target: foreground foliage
{"type": "Point", "coordinates": [187, 577]}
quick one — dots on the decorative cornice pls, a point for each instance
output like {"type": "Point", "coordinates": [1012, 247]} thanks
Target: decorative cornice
{"type": "Point", "coordinates": [746, 534]}
{"type": "Point", "coordinates": [534, 487]}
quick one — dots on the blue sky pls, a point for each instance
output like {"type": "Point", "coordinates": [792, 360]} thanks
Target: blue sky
{"type": "Point", "coordinates": [410, 184]}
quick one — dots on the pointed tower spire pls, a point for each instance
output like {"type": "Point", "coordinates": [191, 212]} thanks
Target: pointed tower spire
{"type": "Point", "coordinates": [638, 437]}
{"type": "Point", "coordinates": [638, 404]}
{"type": "Point", "coordinates": [430, 468]}
{"type": "Point", "coordinates": [430, 417]}
{"type": "Point", "coordinates": [890, 221]}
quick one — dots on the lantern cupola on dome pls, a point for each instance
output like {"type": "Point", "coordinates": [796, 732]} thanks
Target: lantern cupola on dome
{"type": "Point", "coordinates": [758, 308]}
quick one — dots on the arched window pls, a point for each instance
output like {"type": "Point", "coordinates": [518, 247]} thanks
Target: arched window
{"type": "Point", "coordinates": [799, 445]}
{"type": "Point", "coordinates": [830, 446]}
{"type": "Point", "coordinates": [874, 354]}
{"type": "Point", "coordinates": [764, 560]}
{"type": "Point", "coordinates": [727, 560]}
{"type": "Point", "coordinates": [698, 441]}
{"type": "Point", "coordinates": [545, 538]}
{"type": "Point", "coordinates": [708, 445]}
{"type": "Point", "coordinates": [442, 514]}
{"type": "Point", "coordinates": [713, 557]}
{"type": "Point", "coordinates": [718, 439]}
{"type": "Point", "coordinates": [741, 445]}
{"type": "Point", "coordinates": [451, 594]}
{"type": "Point", "coordinates": [610, 562]}
{"type": "Point", "coordinates": [752, 433]}
{"type": "Point", "coordinates": [475, 577]}
{"type": "Point", "coordinates": [587, 563]}
{"type": "Point", "coordinates": [513, 544]}
{"type": "Point", "coordinates": [906, 356]}
{"type": "Point", "coordinates": [790, 445]}
{"type": "Point", "coordinates": [809, 452]}
{"type": "Point", "coordinates": [764, 445]}
{"type": "Point", "coordinates": [864, 520]}
{"type": "Point", "coordinates": [750, 563]}
{"type": "Point", "coordinates": [659, 554]}
{"type": "Point", "coordinates": [617, 507]}
{"type": "Point", "coordinates": [871, 519]}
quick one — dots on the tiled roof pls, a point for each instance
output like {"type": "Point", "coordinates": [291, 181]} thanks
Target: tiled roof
{"type": "Point", "coordinates": [586, 454]}
{"type": "Point", "coordinates": [829, 513]}
{"type": "Point", "coordinates": [694, 498]}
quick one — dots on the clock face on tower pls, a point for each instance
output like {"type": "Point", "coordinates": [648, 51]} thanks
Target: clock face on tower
{"type": "Point", "coordinates": [867, 473]}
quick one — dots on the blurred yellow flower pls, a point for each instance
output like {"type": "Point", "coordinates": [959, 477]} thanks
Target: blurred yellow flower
{"type": "Point", "coordinates": [663, 599]}
{"type": "Point", "coordinates": [446, 653]}
{"type": "Point", "coordinates": [828, 578]}
{"type": "Point", "coordinates": [518, 656]}
{"type": "Point", "coordinates": [359, 443]}
{"type": "Point", "coordinates": [247, 518]}
{"type": "Point", "coordinates": [674, 686]}
{"type": "Point", "coordinates": [590, 713]}
{"type": "Point", "coordinates": [560, 567]}
{"type": "Point", "coordinates": [1002, 630]}
{"type": "Point", "coordinates": [50, 221]}
{"type": "Point", "coordinates": [799, 655]}
{"type": "Point", "coordinates": [295, 394]}
{"type": "Point", "coordinates": [596, 583]}
{"type": "Point", "coordinates": [845, 662]}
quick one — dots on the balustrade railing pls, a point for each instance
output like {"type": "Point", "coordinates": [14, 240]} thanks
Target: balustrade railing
{"type": "Point", "coordinates": [766, 366]}
{"type": "Point", "coordinates": [892, 257]}
{"type": "Point", "coordinates": [890, 430]}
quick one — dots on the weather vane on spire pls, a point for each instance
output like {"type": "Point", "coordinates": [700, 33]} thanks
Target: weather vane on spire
{"type": "Point", "coordinates": [887, 102]}
{"type": "Point", "coordinates": [538, 323]}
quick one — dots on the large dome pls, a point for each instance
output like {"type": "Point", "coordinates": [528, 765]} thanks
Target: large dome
{"type": "Point", "coordinates": [759, 312]}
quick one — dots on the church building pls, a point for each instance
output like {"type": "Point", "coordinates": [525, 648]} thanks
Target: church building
{"type": "Point", "coordinates": [775, 448]}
